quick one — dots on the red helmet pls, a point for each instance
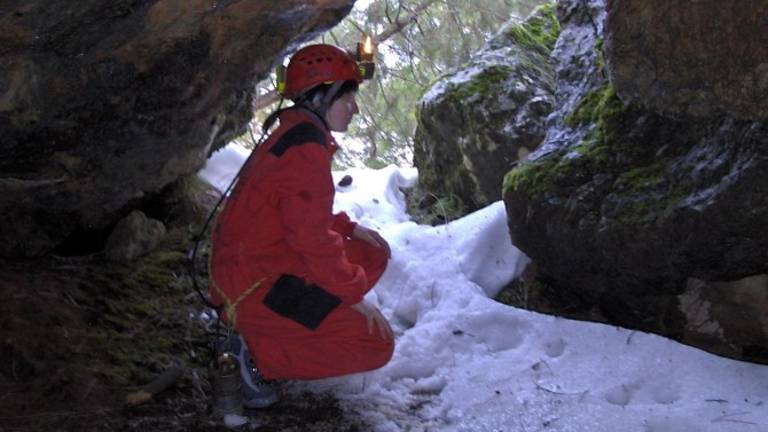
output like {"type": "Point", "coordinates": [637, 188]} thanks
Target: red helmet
{"type": "Point", "coordinates": [319, 64]}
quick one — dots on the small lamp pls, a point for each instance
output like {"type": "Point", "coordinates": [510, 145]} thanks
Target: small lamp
{"type": "Point", "coordinates": [365, 51]}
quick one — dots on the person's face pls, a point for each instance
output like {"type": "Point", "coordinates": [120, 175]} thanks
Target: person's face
{"type": "Point", "coordinates": [340, 112]}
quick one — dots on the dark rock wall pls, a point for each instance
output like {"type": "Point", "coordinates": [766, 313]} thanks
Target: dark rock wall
{"type": "Point", "coordinates": [625, 208]}
{"type": "Point", "coordinates": [103, 102]}
{"type": "Point", "coordinates": [685, 58]}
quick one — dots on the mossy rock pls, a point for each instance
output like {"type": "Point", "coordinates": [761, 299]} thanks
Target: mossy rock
{"type": "Point", "coordinates": [622, 206]}
{"type": "Point", "coordinates": [477, 122]}
{"type": "Point", "coordinates": [539, 32]}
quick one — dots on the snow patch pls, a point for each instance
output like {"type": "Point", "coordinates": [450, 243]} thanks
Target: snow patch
{"type": "Point", "coordinates": [464, 362]}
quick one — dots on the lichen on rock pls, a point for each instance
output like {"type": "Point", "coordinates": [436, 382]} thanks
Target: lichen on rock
{"type": "Point", "coordinates": [477, 122]}
{"type": "Point", "coordinates": [621, 205]}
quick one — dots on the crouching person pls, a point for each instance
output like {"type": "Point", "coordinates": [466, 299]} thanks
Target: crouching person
{"type": "Point", "coordinates": [292, 273]}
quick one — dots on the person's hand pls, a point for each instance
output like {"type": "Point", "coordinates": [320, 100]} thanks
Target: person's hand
{"type": "Point", "coordinates": [373, 315]}
{"type": "Point", "coordinates": [370, 236]}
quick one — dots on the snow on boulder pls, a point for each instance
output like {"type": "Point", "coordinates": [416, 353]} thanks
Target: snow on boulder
{"type": "Point", "coordinates": [475, 123]}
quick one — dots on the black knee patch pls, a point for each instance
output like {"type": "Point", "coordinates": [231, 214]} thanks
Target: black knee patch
{"type": "Point", "coordinates": [291, 297]}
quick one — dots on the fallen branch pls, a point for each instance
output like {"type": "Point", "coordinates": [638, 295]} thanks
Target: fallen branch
{"type": "Point", "coordinates": [629, 338]}
{"type": "Point", "coordinates": [167, 379]}
{"type": "Point", "coordinates": [11, 184]}
{"type": "Point", "coordinates": [541, 387]}
{"type": "Point", "coordinates": [727, 418]}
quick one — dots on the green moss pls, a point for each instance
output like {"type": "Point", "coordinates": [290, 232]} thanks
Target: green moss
{"type": "Point", "coordinates": [526, 295]}
{"type": "Point", "coordinates": [596, 107]}
{"type": "Point", "coordinates": [536, 36]}
{"type": "Point", "coordinates": [139, 304]}
{"type": "Point", "coordinates": [599, 108]}
{"type": "Point", "coordinates": [426, 208]}
{"type": "Point", "coordinates": [535, 178]}
{"type": "Point", "coordinates": [539, 32]}
{"type": "Point", "coordinates": [445, 210]}
{"type": "Point", "coordinates": [481, 85]}
{"type": "Point", "coordinates": [653, 195]}
{"type": "Point", "coordinates": [643, 177]}
{"type": "Point", "coordinates": [600, 54]}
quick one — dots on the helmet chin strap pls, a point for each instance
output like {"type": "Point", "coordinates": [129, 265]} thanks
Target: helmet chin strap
{"type": "Point", "coordinates": [322, 101]}
{"type": "Point", "coordinates": [335, 87]}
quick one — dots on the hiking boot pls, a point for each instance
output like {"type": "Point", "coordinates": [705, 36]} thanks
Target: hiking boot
{"type": "Point", "coordinates": [256, 392]}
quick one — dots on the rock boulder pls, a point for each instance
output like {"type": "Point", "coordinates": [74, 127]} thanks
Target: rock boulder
{"type": "Point", "coordinates": [474, 124]}
{"type": "Point", "coordinates": [105, 101]}
{"type": "Point", "coordinates": [682, 58]}
{"type": "Point", "coordinates": [624, 209]}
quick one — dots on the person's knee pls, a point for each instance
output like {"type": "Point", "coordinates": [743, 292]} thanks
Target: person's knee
{"type": "Point", "coordinates": [377, 263]}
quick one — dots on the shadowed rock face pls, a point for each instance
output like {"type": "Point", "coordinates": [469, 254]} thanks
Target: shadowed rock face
{"type": "Point", "coordinates": [639, 219]}
{"type": "Point", "coordinates": [690, 58]}
{"type": "Point", "coordinates": [104, 101]}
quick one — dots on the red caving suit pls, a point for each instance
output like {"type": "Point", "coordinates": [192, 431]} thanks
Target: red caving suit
{"type": "Point", "coordinates": [278, 224]}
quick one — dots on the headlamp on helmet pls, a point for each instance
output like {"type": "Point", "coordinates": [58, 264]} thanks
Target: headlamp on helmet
{"type": "Point", "coordinates": [365, 51]}
{"type": "Point", "coordinates": [321, 64]}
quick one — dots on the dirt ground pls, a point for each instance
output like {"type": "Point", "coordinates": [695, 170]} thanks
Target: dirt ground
{"type": "Point", "coordinates": [75, 340]}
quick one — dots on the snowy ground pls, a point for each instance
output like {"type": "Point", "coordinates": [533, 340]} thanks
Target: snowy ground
{"type": "Point", "coordinates": [464, 362]}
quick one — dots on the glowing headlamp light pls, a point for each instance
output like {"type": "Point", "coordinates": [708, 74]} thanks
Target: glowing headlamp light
{"type": "Point", "coordinates": [365, 50]}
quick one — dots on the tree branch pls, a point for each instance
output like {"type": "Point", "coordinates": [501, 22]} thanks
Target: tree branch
{"type": "Point", "coordinates": [271, 97]}
{"type": "Point", "coordinates": [399, 24]}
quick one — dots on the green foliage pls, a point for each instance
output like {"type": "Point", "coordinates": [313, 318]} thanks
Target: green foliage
{"type": "Point", "coordinates": [440, 40]}
{"type": "Point", "coordinates": [429, 209]}
{"type": "Point", "coordinates": [375, 163]}
{"type": "Point", "coordinates": [596, 105]}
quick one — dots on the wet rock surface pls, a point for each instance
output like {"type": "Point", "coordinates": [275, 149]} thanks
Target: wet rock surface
{"type": "Point", "coordinates": [105, 102]}
{"type": "Point", "coordinates": [621, 206]}
{"type": "Point", "coordinates": [476, 123]}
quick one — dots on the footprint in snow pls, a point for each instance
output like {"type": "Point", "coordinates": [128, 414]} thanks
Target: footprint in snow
{"type": "Point", "coordinates": [555, 347]}
{"type": "Point", "coordinates": [664, 393]}
{"type": "Point", "coordinates": [498, 331]}
{"type": "Point", "coordinates": [621, 395]}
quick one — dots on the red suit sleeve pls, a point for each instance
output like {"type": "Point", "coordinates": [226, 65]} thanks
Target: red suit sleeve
{"type": "Point", "coordinates": [343, 225]}
{"type": "Point", "coordinates": [304, 193]}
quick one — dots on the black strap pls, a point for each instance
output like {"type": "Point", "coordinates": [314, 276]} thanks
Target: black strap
{"type": "Point", "coordinates": [302, 133]}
